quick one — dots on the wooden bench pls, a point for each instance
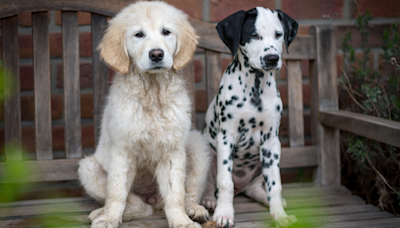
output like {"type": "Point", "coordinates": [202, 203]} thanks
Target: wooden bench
{"type": "Point", "coordinates": [321, 203]}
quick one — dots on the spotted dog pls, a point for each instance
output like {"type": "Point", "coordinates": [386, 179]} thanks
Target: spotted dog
{"type": "Point", "coordinates": [242, 121]}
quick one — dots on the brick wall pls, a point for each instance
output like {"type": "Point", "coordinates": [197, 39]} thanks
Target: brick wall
{"type": "Point", "coordinates": [340, 13]}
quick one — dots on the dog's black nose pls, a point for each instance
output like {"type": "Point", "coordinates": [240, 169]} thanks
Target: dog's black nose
{"type": "Point", "coordinates": [271, 60]}
{"type": "Point", "coordinates": [156, 55]}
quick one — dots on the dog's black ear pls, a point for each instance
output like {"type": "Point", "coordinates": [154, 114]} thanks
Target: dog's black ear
{"type": "Point", "coordinates": [289, 27]}
{"type": "Point", "coordinates": [230, 30]}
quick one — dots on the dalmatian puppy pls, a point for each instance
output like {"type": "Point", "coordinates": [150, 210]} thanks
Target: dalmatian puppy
{"type": "Point", "coordinates": [242, 121]}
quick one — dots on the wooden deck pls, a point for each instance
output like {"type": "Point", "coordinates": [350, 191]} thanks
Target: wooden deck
{"type": "Point", "coordinates": [314, 206]}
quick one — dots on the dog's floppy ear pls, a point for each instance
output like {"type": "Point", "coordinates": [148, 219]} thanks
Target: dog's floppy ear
{"type": "Point", "coordinates": [112, 48]}
{"type": "Point", "coordinates": [289, 27]}
{"type": "Point", "coordinates": [230, 30]}
{"type": "Point", "coordinates": [186, 45]}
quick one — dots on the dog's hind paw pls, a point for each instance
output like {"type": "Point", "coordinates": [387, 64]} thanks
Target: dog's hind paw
{"type": "Point", "coordinates": [209, 203]}
{"type": "Point", "coordinates": [197, 213]}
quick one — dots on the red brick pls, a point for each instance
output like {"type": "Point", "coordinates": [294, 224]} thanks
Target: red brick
{"type": "Point", "coordinates": [303, 30]}
{"type": "Point", "coordinates": [57, 106]}
{"type": "Point", "coordinates": [28, 108]}
{"type": "Point", "coordinates": [312, 9]}
{"type": "Point", "coordinates": [339, 63]}
{"type": "Point", "coordinates": [85, 72]}
{"type": "Point", "coordinates": [374, 39]}
{"type": "Point", "coordinates": [193, 8]}
{"type": "Point", "coordinates": [87, 105]}
{"type": "Point", "coordinates": [220, 9]}
{"type": "Point", "coordinates": [55, 40]}
{"type": "Point", "coordinates": [382, 8]}
{"type": "Point", "coordinates": [201, 100]}
{"type": "Point", "coordinates": [85, 44]}
{"type": "Point", "coordinates": [28, 139]}
{"type": "Point", "coordinates": [25, 45]}
{"type": "Point", "coordinates": [58, 135]}
{"type": "Point", "coordinates": [25, 19]}
{"type": "Point", "coordinates": [84, 18]}
{"type": "Point", "coordinates": [26, 77]}
{"type": "Point", "coordinates": [198, 70]}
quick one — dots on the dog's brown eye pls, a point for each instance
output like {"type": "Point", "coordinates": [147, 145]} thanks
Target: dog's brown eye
{"type": "Point", "coordinates": [255, 35]}
{"type": "Point", "coordinates": [278, 35]}
{"type": "Point", "coordinates": [139, 34]}
{"type": "Point", "coordinates": [165, 32]}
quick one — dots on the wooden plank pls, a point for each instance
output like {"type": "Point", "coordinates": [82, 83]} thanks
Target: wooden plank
{"type": "Point", "coordinates": [325, 91]}
{"type": "Point", "coordinates": [12, 104]}
{"type": "Point", "coordinates": [72, 104]}
{"type": "Point", "coordinates": [100, 73]}
{"type": "Point", "coordinates": [213, 74]}
{"type": "Point", "coordinates": [329, 200]}
{"type": "Point", "coordinates": [46, 201]}
{"type": "Point", "coordinates": [386, 222]}
{"type": "Point", "coordinates": [46, 170]}
{"type": "Point", "coordinates": [295, 103]}
{"type": "Point", "coordinates": [302, 47]}
{"type": "Point", "coordinates": [188, 74]}
{"type": "Point", "coordinates": [306, 156]}
{"type": "Point", "coordinates": [42, 80]}
{"type": "Point", "coordinates": [372, 127]}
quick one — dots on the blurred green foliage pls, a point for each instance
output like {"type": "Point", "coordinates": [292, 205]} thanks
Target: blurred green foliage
{"type": "Point", "coordinates": [367, 164]}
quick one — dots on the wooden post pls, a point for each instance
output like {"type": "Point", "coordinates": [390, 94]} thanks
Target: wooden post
{"type": "Point", "coordinates": [213, 74]}
{"type": "Point", "coordinates": [12, 103]}
{"type": "Point", "coordinates": [188, 74]}
{"type": "Point", "coordinates": [324, 95]}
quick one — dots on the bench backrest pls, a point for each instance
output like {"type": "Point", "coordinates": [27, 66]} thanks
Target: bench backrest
{"type": "Point", "coordinates": [318, 49]}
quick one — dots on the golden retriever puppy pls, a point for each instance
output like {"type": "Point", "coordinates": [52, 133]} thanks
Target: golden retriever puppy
{"type": "Point", "coordinates": [147, 153]}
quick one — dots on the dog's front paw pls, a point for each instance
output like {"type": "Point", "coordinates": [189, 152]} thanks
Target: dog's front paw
{"type": "Point", "coordinates": [209, 203]}
{"type": "Point", "coordinates": [223, 216]}
{"type": "Point", "coordinates": [284, 220]}
{"type": "Point", "coordinates": [197, 213]}
{"type": "Point", "coordinates": [101, 220]}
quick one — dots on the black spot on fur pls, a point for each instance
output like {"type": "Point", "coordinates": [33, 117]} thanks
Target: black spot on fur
{"type": "Point", "coordinates": [234, 97]}
{"type": "Point", "coordinates": [225, 143]}
{"type": "Point", "coordinates": [256, 100]}
{"type": "Point", "coordinates": [273, 182]}
{"type": "Point", "coordinates": [230, 116]}
{"type": "Point", "coordinates": [229, 169]}
{"type": "Point", "coordinates": [268, 154]}
{"type": "Point", "coordinates": [264, 152]}
{"type": "Point", "coordinates": [276, 156]}
{"type": "Point", "coordinates": [239, 105]}
{"type": "Point", "coordinates": [254, 126]}
{"type": "Point", "coordinates": [213, 147]}
{"type": "Point", "coordinates": [268, 198]}
{"type": "Point", "coordinates": [261, 123]}
{"type": "Point", "coordinates": [223, 119]}
{"type": "Point", "coordinates": [252, 166]}
{"type": "Point", "coordinates": [251, 143]}
{"type": "Point", "coordinates": [230, 87]}
{"type": "Point", "coordinates": [228, 102]}
{"type": "Point", "coordinates": [278, 108]}
{"type": "Point", "coordinates": [225, 162]}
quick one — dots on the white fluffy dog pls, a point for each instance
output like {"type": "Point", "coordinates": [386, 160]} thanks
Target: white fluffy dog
{"type": "Point", "coordinates": [147, 153]}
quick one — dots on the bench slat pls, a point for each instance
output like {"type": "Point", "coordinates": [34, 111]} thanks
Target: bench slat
{"type": "Point", "coordinates": [213, 71]}
{"type": "Point", "coordinates": [188, 74]}
{"type": "Point", "coordinates": [372, 127]}
{"type": "Point", "coordinates": [100, 72]}
{"type": "Point", "coordinates": [12, 103]}
{"type": "Point", "coordinates": [72, 106]}
{"type": "Point", "coordinates": [295, 103]}
{"type": "Point", "coordinates": [46, 170]}
{"type": "Point", "coordinates": [41, 71]}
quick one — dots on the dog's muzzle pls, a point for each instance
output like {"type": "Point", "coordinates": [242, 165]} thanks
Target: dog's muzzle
{"type": "Point", "coordinates": [271, 61]}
